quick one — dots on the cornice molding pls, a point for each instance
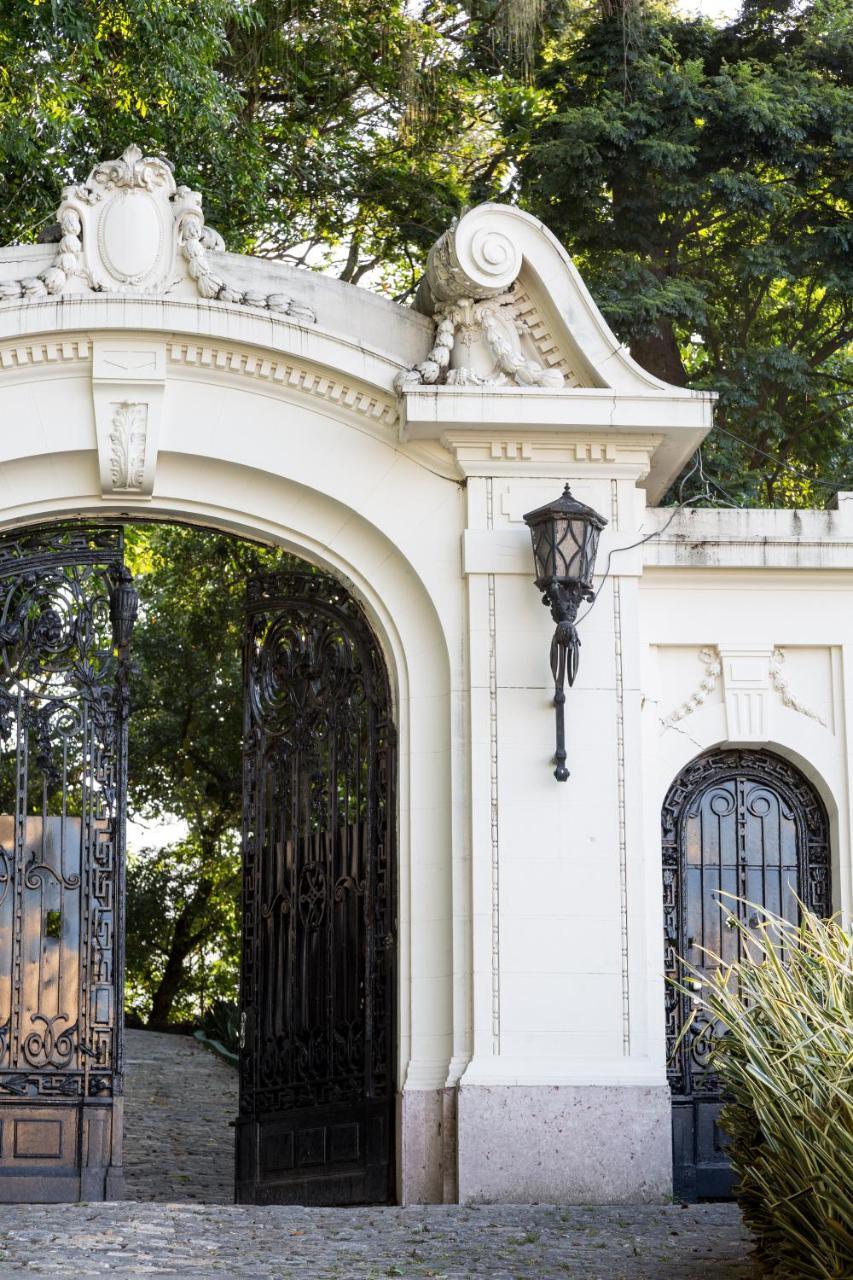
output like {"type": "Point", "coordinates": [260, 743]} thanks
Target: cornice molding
{"type": "Point", "coordinates": [221, 324]}
{"type": "Point", "coordinates": [233, 359]}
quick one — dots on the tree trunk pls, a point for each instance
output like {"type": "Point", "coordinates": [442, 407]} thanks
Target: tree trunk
{"type": "Point", "coordinates": [167, 991]}
{"type": "Point", "coordinates": [185, 939]}
{"type": "Point", "coordinates": [659, 354]}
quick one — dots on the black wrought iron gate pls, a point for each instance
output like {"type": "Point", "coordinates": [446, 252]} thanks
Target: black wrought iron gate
{"type": "Point", "coordinates": [747, 823]}
{"type": "Point", "coordinates": [316, 1120]}
{"type": "Point", "coordinates": [67, 608]}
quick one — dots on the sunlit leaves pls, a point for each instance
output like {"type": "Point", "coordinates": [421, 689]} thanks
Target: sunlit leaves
{"type": "Point", "coordinates": [341, 134]}
{"type": "Point", "coordinates": [185, 759]}
{"type": "Point", "coordinates": [182, 890]}
{"type": "Point", "coordinates": [701, 175]}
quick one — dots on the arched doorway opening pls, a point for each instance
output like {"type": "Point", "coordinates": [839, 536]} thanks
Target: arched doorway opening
{"type": "Point", "coordinates": [746, 823]}
{"type": "Point", "coordinates": [318, 1019]}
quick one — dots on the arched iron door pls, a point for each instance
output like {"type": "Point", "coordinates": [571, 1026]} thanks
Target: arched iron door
{"type": "Point", "coordinates": [316, 1119]}
{"type": "Point", "coordinates": [750, 824]}
{"type": "Point", "coordinates": [66, 611]}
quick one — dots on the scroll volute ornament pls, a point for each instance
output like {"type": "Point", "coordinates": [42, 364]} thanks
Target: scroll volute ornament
{"type": "Point", "coordinates": [468, 288]}
{"type": "Point", "coordinates": [474, 258]}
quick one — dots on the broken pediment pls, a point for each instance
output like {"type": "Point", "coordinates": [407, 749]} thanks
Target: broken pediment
{"type": "Point", "coordinates": [521, 351]}
{"type": "Point", "coordinates": [130, 229]}
{"type": "Point", "coordinates": [511, 309]}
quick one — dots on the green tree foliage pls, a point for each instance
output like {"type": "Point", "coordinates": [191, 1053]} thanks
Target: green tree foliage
{"type": "Point", "coordinates": [326, 131]}
{"type": "Point", "coordinates": [81, 79]}
{"type": "Point", "coordinates": [700, 174]}
{"type": "Point", "coordinates": [184, 759]}
{"type": "Point", "coordinates": [702, 178]}
{"type": "Point", "coordinates": [183, 930]}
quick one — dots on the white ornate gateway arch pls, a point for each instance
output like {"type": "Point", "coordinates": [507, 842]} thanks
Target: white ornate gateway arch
{"type": "Point", "coordinates": [145, 373]}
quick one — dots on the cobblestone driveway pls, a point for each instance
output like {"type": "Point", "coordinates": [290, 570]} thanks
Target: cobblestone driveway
{"type": "Point", "coordinates": [179, 1151]}
{"type": "Point", "coordinates": [179, 1100]}
{"type": "Point", "coordinates": [451, 1243]}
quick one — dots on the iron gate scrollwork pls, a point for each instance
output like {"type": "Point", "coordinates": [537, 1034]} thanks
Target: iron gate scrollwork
{"type": "Point", "coordinates": [66, 612]}
{"type": "Point", "coordinates": [316, 1122]}
{"type": "Point", "coordinates": [749, 824]}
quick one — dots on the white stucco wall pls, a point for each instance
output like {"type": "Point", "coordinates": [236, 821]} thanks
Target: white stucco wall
{"type": "Point", "coordinates": [531, 1001]}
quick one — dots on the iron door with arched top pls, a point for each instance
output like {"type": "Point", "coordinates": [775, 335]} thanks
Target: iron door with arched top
{"type": "Point", "coordinates": [749, 824]}
{"type": "Point", "coordinates": [317, 1087]}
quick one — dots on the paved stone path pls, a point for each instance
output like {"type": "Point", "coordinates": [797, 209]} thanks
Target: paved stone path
{"type": "Point", "coordinates": [180, 1098]}
{"type": "Point", "coordinates": [179, 1101]}
{"type": "Point", "coordinates": [484, 1243]}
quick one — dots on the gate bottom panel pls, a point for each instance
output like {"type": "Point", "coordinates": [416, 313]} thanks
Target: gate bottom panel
{"type": "Point", "coordinates": [43, 1146]}
{"type": "Point", "coordinates": [700, 1166]}
{"type": "Point", "coordinates": [317, 1156]}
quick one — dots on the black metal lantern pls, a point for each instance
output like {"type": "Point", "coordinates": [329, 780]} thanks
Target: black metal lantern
{"type": "Point", "coordinates": [124, 606]}
{"type": "Point", "coordinates": [565, 537]}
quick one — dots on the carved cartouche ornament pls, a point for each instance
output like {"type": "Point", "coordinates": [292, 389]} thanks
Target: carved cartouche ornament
{"type": "Point", "coordinates": [128, 228]}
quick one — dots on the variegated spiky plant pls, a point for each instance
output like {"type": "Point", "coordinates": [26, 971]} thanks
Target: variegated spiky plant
{"type": "Point", "coordinates": [786, 1066]}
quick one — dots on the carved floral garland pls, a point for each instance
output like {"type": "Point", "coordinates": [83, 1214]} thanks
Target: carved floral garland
{"type": "Point", "coordinates": [780, 684]}
{"type": "Point", "coordinates": [196, 239]}
{"type": "Point", "coordinates": [492, 317]}
{"type": "Point", "coordinates": [713, 670]}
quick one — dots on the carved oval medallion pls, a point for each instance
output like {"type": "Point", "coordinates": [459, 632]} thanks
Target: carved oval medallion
{"type": "Point", "coordinates": [130, 236]}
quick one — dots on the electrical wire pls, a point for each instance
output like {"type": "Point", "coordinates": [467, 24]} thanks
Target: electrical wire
{"type": "Point", "coordinates": [656, 533]}
{"type": "Point", "coordinates": [787, 466]}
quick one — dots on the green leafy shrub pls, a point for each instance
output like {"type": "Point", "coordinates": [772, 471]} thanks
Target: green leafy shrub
{"type": "Point", "coordinates": [786, 1066]}
{"type": "Point", "coordinates": [222, 1023]}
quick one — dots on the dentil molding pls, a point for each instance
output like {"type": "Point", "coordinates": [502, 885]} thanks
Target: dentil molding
{"type": "Point", "coordinates": [487, 453]}
{"type": "Point", "coordinates": [34, 353]}
{"type": "Point", "coordinates": [284, 371]}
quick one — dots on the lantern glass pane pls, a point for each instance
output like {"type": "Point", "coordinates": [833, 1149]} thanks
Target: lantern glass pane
{"type": "Point", "coordinates": [543, 551]}
{"type": "Point", "coordinates": [568, 540]}
{"type": "Point", "coordinates": [591, 552]}
{"type": "Point", "coordinates": [575, 546]}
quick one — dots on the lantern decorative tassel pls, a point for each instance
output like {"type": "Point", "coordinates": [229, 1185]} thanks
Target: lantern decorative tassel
{"type": "Point", "coordinates": [124, 606]}
{"type": "Point", "coordinates": [564, 603]}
